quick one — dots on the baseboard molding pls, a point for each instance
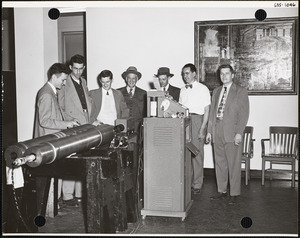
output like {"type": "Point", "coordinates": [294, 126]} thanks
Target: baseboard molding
{"type": "Point", "coordinates": [256, 174]}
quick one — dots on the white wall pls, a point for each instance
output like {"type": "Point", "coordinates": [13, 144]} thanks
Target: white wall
{"type": "Point", "coordinates": [36, 51]}
{"type": "Point", "coordinates": [146, 37]}
{"type": "Point", "coordinates": [149, 38]}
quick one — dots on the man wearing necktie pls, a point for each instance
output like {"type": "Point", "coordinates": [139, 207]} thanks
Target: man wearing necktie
{"type": "Point", "coordinates": [196, 97]}
{"type": "Point", "coordinates": [135, 97]}
{"type": "Point", "coordinates": [227, 120]}
{"type": "Point", "coordinates": [164, 76]}
{"type": "Point", "coordinates": [107, 104]}
{"type": "Point", "coordinates": [76, 104]}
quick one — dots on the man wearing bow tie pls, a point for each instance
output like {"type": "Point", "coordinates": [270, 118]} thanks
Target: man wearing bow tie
{"type": "Point", "coordinates": [196, 97]}
{"type": "Point", "coordinates": [135, 97]}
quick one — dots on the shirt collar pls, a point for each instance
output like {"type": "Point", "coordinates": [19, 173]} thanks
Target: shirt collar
{"type": "Point", "coordinates": [75, 79]}
{"type": "Point", "coordinates": [105, 91]}
{"type": "Point", "coordinates": [166, 87]}
{"type": "Point", "coordinates": [228, 86]}
{"type": "Point", "coordinates": [53, 88]}
{"type": "Point", "coordinates": [128, 89]}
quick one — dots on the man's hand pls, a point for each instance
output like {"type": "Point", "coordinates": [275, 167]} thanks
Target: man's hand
{"type": "Point", "coordinates": [97, 123]}
{"type": "Point", "coordinates": [238, 139]}
{"type": "Point", "coordinates": [73, 123]}
{"type": "Point", "coordinates": [208, 138]}
{"type": "Point", "coordinates": [201, 134]}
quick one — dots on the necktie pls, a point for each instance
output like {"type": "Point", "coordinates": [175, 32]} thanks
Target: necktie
{"type": "Point", "coordinates": [164, 89]}
{"type": "Point", "coordinates": [188, 85]}
{"type": "Point", "coordinates": [107, 93]}
{"type": "Point", "coordinates": [221, 107]}
{"type": "Point", "coordinates": [130, 93]}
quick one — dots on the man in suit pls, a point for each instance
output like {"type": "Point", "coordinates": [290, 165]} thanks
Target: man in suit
{"type": "Point", "coordinates": [135, 97]}
{"type": "Point", "coordinates": [227, 120]}
{"type": "Point", "coordinates": [49, 117]}
{"type": "Point", "coordinates": [164, 75]}
{"type": "Point", "coordinates": [76, 104]}
{"type": "Point", "coordinates": [196, 97]}
{"type": "Point", "coordinates": [107, 104]}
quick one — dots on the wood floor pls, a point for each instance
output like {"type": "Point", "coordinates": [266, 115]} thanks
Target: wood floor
{"type": "Point", "coordinates": [273, 209]}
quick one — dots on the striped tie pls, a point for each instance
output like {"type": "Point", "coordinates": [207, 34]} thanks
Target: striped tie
{"type": "Point", "coordinates": [221, 107]}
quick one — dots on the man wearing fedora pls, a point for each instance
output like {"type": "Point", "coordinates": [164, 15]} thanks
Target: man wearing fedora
{"type": "Point", "coordinates": [196, 97]}
{"type": "Point", "coordinates": [107, 104]}
{"type": "Point", "coordinates": [135, 97]}
{"type": "Point", "coordinates": [164, 75]}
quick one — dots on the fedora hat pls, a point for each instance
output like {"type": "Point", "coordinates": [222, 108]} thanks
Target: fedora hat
{"type": "Point", "coordinates": [164, 71]}
{"type": "Point", "coordinates": [131, 70]}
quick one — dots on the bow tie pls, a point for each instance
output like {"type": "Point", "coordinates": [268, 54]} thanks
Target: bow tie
{"type": "Point", "coordinates": [188, 85]}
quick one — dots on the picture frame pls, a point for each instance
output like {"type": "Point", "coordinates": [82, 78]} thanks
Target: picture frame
{"type": "Point", "coordinates": [263, 54]}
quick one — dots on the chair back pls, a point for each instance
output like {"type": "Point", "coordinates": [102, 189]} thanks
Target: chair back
{"type": "Point", "coordinates": [283, 141]}
{"type": "Point", "coordinates": [247, 141]}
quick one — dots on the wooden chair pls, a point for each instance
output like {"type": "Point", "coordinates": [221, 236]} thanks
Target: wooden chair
{"type": "Point", "coordinates": [247, 153]}
{"type": "Point", "coordinates": [283, 149]}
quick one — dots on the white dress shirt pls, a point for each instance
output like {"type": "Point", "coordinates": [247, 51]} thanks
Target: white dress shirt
{"type": "Point", "coordinates": [108, 112]}
{"type": "Point", "coordinates": [195, 98]}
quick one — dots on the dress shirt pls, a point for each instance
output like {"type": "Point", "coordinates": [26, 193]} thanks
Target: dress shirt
{"type": "Point", "coordinates": [195, 98]}
{"type": "Point", "coordinates": [166, 87]}
{"type": "Point", "coordinates": [53, 88]}
{"type": "Point", "coordinates": [108, 113]}
{"type": "Point", "coordinates": [128, 90]}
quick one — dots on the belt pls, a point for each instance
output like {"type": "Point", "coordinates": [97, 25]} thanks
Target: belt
{"type": "Point", "coordinates": [220, 118]}
{"type": "Point", "coordinates": [84, 110]}
{"type": "Point", "coordinates": [194, 114]}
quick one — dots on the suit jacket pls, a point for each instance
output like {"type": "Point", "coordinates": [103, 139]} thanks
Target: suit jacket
{"type": "Point", "coordinates": [96, 96]}
{"type": "Point", "coordinates": [236, 112]}
{"type": "Point", "coordinates": [48, 115]}
{"type": "Point", "coordinates": [70, 103]}
{"type": "Point", "coordinates": [174, 92]}
{"type": "Point", "coordinates": [136, 105]}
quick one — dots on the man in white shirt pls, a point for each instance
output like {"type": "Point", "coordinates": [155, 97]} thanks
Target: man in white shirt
{"type": "Point", "coordinates": [107, 104]}
{"type": "Point", "coordinates": [196, 97]}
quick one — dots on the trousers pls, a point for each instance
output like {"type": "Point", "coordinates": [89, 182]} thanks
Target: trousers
{"type": "Point", "coordinates": [227, 162]}
{"type": "Point", "coordinates": [197, 161]}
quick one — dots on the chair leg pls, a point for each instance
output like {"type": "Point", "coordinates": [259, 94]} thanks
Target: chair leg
{"type": "Point", "coordinates": [293, 174]}
{"type": "Point", "coordinates": [263, 172]}
{"type": "Point", "coordinates": [271, 174]}
{"type": "Point", "coordinates": [246, 172]}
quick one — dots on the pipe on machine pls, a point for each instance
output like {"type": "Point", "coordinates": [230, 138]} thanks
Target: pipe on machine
{"type": "Point", "coordinates": [47, 149]}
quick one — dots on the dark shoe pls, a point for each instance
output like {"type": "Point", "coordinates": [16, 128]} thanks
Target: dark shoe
{"type": "Point", "coordinates": [196, 191]}
{"type": "Point", "coordinates": [71, 202]}
{"type": "Point", "coordinates": [78, 199]}
{"type": "Point", "coordinates": [232, 200]}
{"type": "Point", "coordinates": [219, 196]}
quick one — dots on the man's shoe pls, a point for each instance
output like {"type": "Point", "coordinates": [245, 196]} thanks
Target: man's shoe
{"type": "Point", "coordinates": [232, 200]}
{"type": "Point", "coordinates": [71, 202]}
{"type": "Point", "coordinates": [196, 191]}
{"type": "Point", "coordinates": [219, 196]}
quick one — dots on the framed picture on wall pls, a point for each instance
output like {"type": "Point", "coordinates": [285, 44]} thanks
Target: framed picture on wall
{"type": "Point", "coordinates": [263, 54]}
